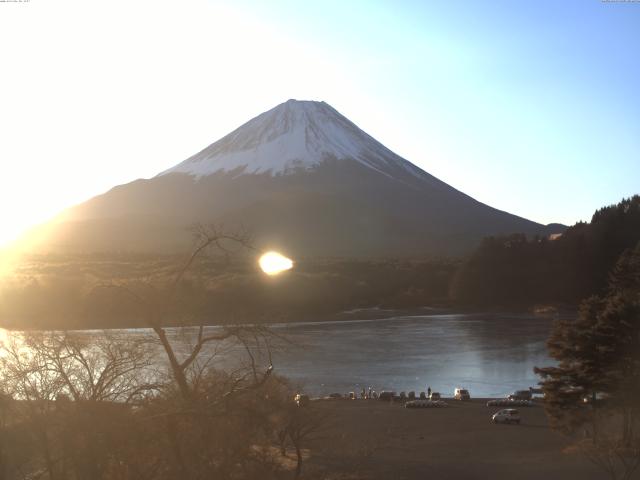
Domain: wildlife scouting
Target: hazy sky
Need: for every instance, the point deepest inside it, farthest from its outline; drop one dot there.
(531, 107)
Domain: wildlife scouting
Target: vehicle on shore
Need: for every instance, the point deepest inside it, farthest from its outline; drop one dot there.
(536, 392)
(386, 395)
(508, 416)
(597, 398)
(461, 394)
(425, 404)
(505, 402)
(520, 395)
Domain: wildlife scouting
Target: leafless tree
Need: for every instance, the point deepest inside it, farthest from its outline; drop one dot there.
(200, 401)
(619, 460)
(304, 423)
(102, 406)
(160, 308)
(71, 393)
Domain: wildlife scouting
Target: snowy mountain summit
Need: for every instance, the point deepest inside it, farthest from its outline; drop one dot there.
(294, 135)
(304, 180)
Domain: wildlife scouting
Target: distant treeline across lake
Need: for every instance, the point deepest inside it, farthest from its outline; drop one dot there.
(511, 272)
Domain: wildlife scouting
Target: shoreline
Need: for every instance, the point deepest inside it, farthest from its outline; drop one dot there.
(360, 317)
(359, 314)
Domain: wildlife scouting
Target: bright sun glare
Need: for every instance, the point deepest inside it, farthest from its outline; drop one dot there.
(273, 263)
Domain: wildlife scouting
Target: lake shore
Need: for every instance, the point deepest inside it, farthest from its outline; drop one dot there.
(381, 313)
(372, 439)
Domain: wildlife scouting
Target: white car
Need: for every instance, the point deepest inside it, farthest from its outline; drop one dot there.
(508, 415)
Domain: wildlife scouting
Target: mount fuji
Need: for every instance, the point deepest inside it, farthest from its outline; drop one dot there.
(294, 135)
(302, 179)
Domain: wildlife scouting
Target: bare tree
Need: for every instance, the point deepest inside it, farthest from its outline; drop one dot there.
(303, 424)
(160, 308)
(138, 406)
(71, 393)
(197, 405)
(619, 459)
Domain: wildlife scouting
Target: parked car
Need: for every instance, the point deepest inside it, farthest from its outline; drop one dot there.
(301, 400)
(508, 415)
(411, 395)
(597, 398)
(461, 394)
(435, 396)
(505, 402)
(520, 395)
(537, 391)
(403, 396)
(425, 404)
(386, 395)
(423, 396)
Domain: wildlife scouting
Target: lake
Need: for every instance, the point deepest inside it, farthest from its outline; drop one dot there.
(490, 355)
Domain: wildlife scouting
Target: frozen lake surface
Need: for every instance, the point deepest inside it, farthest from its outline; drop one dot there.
(489, 354)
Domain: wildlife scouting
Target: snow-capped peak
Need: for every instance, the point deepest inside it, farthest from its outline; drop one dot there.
(295, 134)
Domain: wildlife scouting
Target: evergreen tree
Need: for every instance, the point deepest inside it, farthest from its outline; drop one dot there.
(518, 271)
(595, 387)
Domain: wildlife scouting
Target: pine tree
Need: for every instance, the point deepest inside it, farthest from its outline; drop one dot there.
(595, 387)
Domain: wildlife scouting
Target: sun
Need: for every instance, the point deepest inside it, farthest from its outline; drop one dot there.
(9, 235)
(273, 263)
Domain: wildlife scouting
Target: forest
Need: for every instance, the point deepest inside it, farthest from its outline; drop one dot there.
(508, 272)
(516, 271)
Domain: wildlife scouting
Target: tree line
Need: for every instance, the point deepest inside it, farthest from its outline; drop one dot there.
(511, 271)
(59, 291)
(592, 394)
(518, 271)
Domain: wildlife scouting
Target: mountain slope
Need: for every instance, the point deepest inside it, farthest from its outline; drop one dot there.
(303, 179)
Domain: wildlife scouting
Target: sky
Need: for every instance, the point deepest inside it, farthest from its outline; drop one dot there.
(530, 107)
